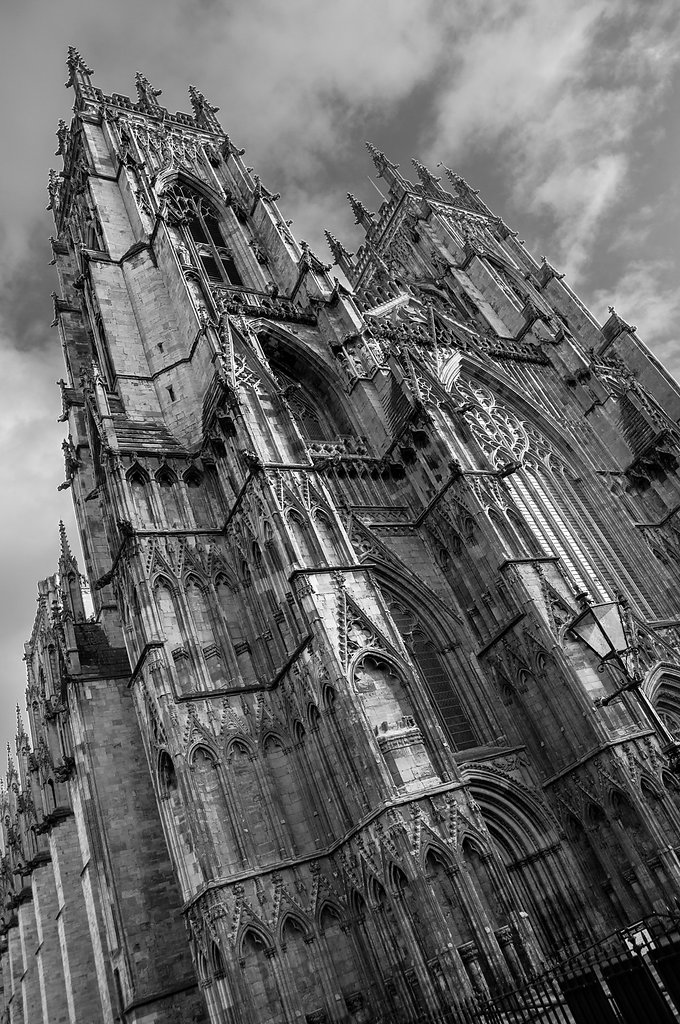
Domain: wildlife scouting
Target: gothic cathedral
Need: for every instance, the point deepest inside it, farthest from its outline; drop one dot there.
(375, 715)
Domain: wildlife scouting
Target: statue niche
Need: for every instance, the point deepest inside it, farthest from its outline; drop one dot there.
(390, 713)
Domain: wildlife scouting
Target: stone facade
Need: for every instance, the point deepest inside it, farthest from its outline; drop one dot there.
(328, 749)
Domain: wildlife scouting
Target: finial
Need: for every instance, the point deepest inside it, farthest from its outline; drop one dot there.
(204, 112)
(616, 324)
(78, 71)
(458, 181)
(428, 180)
(66, 553)
(310, 260)
(70, 579)
(386, 168)
(341, 256)
(146, 93)
(361, 214)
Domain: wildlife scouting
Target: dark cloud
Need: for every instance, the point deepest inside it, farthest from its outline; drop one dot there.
(25, 304)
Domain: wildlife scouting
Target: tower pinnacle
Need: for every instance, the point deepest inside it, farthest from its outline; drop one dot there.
(343, 258)
(429, 181)
(148, 96)
(386, 168)
(63, 542)
(78, 71)
(361, 214)
(204, 112)
(69, 577)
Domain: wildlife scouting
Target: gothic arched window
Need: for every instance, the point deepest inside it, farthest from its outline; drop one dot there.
(535, 485)
(434, 672)
(205, 236)
(312, 419)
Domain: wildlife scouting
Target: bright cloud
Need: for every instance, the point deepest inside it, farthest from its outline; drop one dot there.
(557, 93)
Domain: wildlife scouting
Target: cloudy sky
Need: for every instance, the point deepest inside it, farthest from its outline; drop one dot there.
(565, 115)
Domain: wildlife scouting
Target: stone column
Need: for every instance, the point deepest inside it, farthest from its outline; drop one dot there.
(15, 961)
(30, 981)
(469, 954)
(50, 964)
(78, 956)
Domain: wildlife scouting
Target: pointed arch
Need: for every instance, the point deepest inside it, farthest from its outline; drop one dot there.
(200, 215)
(662, 686)
(235, 625)
(329, 909)
(249, 791)
(393, 717)
(168, 489)
(560, 495)
(165, 596)
(181, 176)
(239, 741)
(433, 848)
(321, 389)
(196, 595)
(202, 754)
(255, 929)
(329, 537)
(216, 960)
(260, 991)
(517, 820)
(139, 483)
(178, 830)
(199, 499)
(427, 629)
(293, 917)
(288, 792)
(301, 528)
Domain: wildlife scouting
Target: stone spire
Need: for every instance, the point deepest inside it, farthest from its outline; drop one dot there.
(21, 731)
(148, 96)
(361, 214)
(429, 181)
(386, 169)
(11, 767)
(204, 112)
(69, 579)
(78, 71)
(23, 749)
(344, 259)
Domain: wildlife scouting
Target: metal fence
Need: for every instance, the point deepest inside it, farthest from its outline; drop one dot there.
(631, 977)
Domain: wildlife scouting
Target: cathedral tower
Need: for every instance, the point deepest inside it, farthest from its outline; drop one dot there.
(341, 542)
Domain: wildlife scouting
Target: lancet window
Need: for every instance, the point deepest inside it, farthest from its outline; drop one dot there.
(535, 485)
(313, 422)
(561, 508)
(204, 236)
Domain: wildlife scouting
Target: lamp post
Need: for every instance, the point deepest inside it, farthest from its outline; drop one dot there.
(608, 630)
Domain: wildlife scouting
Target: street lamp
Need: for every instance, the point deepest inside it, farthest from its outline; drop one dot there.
(608, 630)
